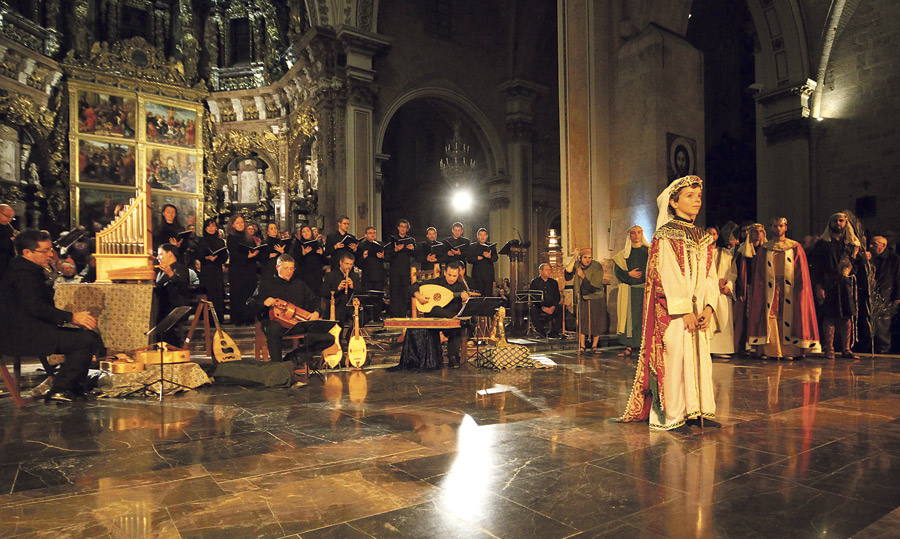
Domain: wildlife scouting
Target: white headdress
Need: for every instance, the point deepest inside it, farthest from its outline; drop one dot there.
(662, 201)
(623, 255)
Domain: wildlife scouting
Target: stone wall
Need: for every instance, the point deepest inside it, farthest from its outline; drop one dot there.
(857, 153)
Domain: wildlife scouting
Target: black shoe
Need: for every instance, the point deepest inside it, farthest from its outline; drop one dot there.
(707, 423)
(683, 430)
(453, 363)
(61, 395)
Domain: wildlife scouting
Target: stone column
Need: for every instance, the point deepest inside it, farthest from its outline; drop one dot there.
(784, 187)
(584, 107)
(520, 96)
(359, 179)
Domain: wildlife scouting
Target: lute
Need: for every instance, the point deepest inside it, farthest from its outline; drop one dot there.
(356, 350)
(438, 296)
(224, 347)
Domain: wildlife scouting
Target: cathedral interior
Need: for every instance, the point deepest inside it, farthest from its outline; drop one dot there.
(519, 116)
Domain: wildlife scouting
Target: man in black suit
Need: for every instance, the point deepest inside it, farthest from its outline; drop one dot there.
(450, 279)
(336, 245)
(401, 251)
(549, 308)
(344, 283)
(30, 322)
(456, 247)
(370, 260)
(285, 287)
(172, 283)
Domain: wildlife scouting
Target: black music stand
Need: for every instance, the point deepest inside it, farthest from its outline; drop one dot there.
(531, 298)
(311, 326)
(369, 298)
(476, 306)
(165, 325)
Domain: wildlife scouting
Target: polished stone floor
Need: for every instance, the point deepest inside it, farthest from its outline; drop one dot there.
(808, 449)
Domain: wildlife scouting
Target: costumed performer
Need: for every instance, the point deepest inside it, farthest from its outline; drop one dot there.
(782, 317)
(673, 384)
(593, 319)
(721, 343)
(630, 268)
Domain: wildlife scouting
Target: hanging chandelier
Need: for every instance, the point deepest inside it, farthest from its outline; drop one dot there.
(457, 168)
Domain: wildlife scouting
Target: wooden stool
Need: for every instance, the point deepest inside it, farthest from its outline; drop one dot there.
(261, 350)
(12, 383)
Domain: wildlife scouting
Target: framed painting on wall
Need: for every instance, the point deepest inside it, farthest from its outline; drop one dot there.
(681, 156)
(99, 205)
(187, 207)
(168, 124)
(105, 114)
(105, 162)
(171, 170)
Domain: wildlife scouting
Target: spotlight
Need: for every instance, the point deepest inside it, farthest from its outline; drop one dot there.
(462, 200)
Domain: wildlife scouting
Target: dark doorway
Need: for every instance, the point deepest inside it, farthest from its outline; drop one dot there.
(414, 188)
(723, 30)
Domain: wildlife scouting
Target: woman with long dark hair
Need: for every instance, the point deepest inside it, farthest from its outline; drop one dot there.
(168, 229)
(309, 260)
(211, 256)
(242, 269)
(274, 248)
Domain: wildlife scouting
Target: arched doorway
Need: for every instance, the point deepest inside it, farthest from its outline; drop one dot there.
(413, 136)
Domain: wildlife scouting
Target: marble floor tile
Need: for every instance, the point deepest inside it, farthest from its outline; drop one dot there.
(809, 448)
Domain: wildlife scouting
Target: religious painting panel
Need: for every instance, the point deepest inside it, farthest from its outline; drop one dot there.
(105, 114)
(171, 170)
(106, 163)
(168, 124)
(681, 156)
(187, 207)
(100, 205)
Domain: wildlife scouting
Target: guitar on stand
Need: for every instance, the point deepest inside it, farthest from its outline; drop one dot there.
(288, 315)
(224, 347)
(356, 350)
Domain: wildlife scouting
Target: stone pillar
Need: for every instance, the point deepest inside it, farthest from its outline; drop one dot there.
(359, 179)
(584, 116)
(628, 82)
(784, 187)
(520, 95)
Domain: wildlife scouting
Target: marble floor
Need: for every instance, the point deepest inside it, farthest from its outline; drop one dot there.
(808, 449)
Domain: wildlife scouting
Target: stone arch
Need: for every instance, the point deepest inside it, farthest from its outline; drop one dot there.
(783, 56)
(479, 123)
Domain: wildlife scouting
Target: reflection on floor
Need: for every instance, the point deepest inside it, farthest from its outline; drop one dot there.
(808, 449)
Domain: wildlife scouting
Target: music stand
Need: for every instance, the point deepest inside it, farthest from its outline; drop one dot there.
(530, 297)
(368, 299)
(479, 307)
(311, 326)
(165, 325)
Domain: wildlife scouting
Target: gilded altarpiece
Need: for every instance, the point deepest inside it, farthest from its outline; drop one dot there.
(121, 141)
(133, 122)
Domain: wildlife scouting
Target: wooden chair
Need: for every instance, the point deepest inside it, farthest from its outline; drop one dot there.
(13, 382)
(261, 350)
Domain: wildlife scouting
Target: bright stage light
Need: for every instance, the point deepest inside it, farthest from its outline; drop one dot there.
(462, 200)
